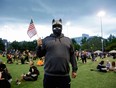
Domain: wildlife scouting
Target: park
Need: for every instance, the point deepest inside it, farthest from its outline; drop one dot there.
(85, 77)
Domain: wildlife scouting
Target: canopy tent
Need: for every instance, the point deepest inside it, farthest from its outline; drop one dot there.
(98, 51)
(112, 51)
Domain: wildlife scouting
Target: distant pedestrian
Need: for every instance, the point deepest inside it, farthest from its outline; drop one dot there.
(84, 56)
(77, 54)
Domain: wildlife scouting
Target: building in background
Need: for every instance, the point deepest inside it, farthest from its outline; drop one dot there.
(85, 35)
(78, 39)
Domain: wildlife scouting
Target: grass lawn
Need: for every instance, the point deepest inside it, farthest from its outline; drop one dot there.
(84, 79)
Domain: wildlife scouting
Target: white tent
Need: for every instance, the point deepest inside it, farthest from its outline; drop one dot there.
(98, 51)
(112, 51)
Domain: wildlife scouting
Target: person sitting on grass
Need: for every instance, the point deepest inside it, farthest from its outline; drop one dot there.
(108, 65)
(32, 75)
(113, 66)
(101, 67)
(9, 58)
(5, 77)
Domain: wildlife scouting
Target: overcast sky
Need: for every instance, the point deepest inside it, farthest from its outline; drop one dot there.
(15, 16)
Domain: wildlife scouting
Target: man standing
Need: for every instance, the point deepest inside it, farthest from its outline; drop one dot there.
(58, 52)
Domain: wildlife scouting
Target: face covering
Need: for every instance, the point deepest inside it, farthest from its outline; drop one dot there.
(57, 31)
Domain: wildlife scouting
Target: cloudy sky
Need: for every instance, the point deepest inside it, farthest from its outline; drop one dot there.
(80, 15)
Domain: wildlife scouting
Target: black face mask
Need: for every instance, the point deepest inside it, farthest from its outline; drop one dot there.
(57, 31)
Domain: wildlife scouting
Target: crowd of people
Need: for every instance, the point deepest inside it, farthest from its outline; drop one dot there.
(19, 57)
(85, 55)
(32, 75)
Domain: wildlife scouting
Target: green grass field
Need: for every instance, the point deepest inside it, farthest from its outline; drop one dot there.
(84, 79)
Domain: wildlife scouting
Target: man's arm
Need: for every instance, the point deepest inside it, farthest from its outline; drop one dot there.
(39, 51)
(73, 62)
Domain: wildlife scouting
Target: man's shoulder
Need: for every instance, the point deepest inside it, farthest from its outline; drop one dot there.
(67, 37)
(52, 36)
(47, 37)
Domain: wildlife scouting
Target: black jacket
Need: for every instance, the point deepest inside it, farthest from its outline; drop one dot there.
(58, 52)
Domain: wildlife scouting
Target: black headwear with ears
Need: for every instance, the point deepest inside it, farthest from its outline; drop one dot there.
(57, 27)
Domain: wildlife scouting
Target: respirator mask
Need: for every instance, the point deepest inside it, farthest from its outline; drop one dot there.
(57, 27)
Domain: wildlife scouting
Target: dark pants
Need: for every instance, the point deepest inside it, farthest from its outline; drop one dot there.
(5, 84)
(84, 60)
(56, 81)
(29, 78)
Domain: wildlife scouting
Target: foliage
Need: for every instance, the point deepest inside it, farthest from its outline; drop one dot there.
(15, 45)
(75, 45)
(95, 43)
(24, 45)
(111, 43)
(90, 44)
(2, 46)
(112, 46)
(84, 40)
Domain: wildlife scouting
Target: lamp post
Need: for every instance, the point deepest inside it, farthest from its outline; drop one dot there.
(5, 47)
(101, 14)
(68, 24)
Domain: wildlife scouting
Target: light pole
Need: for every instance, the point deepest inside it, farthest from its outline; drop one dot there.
(5, 47)
(68, 24)
(101, 14)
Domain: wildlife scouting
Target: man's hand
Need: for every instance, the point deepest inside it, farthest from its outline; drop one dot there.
(39, 42)
(74, 74)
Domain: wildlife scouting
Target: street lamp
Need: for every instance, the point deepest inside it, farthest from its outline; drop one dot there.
(101, 14)
(5, 47)
(68, 24)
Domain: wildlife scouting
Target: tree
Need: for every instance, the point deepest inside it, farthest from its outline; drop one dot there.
(91, 44)
(111, 43)
(84, 40)
(24, 45)
(2, 46)
(75, 45)
(14, 45)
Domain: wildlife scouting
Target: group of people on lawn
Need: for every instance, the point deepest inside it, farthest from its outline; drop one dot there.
(20, 57)
(109, 66)
(6, 78)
